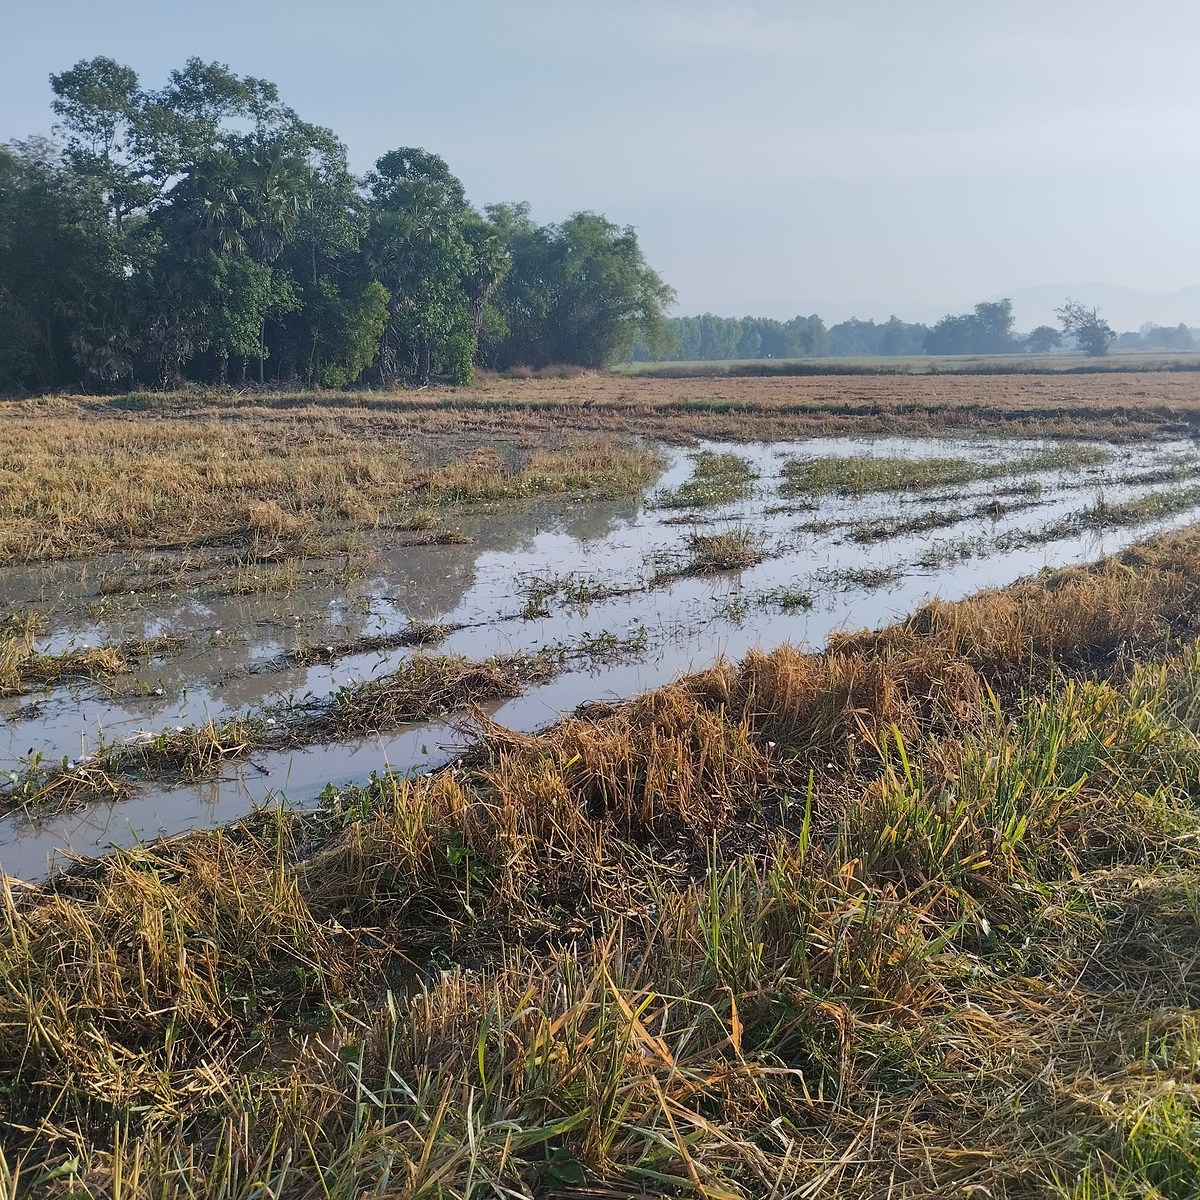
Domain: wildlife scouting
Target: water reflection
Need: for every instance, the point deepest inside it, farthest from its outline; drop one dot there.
(604, 554)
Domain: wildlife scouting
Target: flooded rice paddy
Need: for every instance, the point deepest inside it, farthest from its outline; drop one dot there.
(616, 596)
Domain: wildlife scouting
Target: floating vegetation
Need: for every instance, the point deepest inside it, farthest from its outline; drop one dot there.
(884, 529)
(441, 537)
(717, 479)
(23, 669)
(783, 598)
(417, 633)
(576, 591)
(867, 578)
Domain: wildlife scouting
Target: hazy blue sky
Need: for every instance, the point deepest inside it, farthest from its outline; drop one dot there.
(774, 156)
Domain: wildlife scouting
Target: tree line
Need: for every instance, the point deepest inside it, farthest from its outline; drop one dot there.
(987, 329)
(203, 231)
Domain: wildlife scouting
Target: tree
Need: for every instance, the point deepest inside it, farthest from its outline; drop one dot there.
(1164, 337)
(64, 294)
(418, 250)
(952, 335)
(994, 323)
(987, 330)
(1092, 334)
(99, 104)
(1042, 340)
(580, 292)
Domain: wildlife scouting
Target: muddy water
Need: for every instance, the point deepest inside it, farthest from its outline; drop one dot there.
(233, 656)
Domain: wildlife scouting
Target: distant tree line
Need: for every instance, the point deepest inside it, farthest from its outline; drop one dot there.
(1158, 337)
(709, 338)
(987, 329)
(205, 232)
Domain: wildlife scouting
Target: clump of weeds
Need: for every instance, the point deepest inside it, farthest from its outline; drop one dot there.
(272, 580)
(716, 479)
(23, 669)
(712, 553)
(416, 633)
(783, 598)
(576, 591)
(428, 686)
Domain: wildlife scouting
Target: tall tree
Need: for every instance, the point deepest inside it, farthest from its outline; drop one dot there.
(987, 330)
(64, 293)
(418, 250)
(1093, 335)
(100, 105)
(580, 292)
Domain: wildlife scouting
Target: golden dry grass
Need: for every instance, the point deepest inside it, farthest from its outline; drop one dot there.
(878, 921)
(23, 669)
(80, 474)
(79, 478)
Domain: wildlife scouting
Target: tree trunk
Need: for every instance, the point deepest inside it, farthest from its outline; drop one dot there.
(423, 361)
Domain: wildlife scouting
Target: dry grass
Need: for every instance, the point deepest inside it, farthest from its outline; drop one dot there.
(79, 475)
(430, 686)
(915, 916)
(79, 478)
(23, 669)
(416, 633)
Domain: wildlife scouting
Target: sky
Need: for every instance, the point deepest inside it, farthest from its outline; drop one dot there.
(776, 157)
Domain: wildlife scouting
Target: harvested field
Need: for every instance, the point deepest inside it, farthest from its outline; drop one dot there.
(655, 876)
(288, 674)
(158, 469)
(915, 915)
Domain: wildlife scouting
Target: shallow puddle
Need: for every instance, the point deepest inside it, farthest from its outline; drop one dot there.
(560, 572)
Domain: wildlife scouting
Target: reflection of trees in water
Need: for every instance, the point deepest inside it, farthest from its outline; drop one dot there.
(429, 581)
(586, 521)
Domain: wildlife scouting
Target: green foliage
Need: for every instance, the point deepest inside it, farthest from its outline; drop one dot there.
(243, 294)
(417, 248)
(62, 287)
(1093, 335)
(354, 339)
(580, 292)
(1042, 340)
(195, 229)
(987, 330)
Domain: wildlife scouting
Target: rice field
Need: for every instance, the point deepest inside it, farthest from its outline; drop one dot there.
(695, 816)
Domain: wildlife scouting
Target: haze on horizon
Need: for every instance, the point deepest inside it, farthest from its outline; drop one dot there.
(775, 157)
